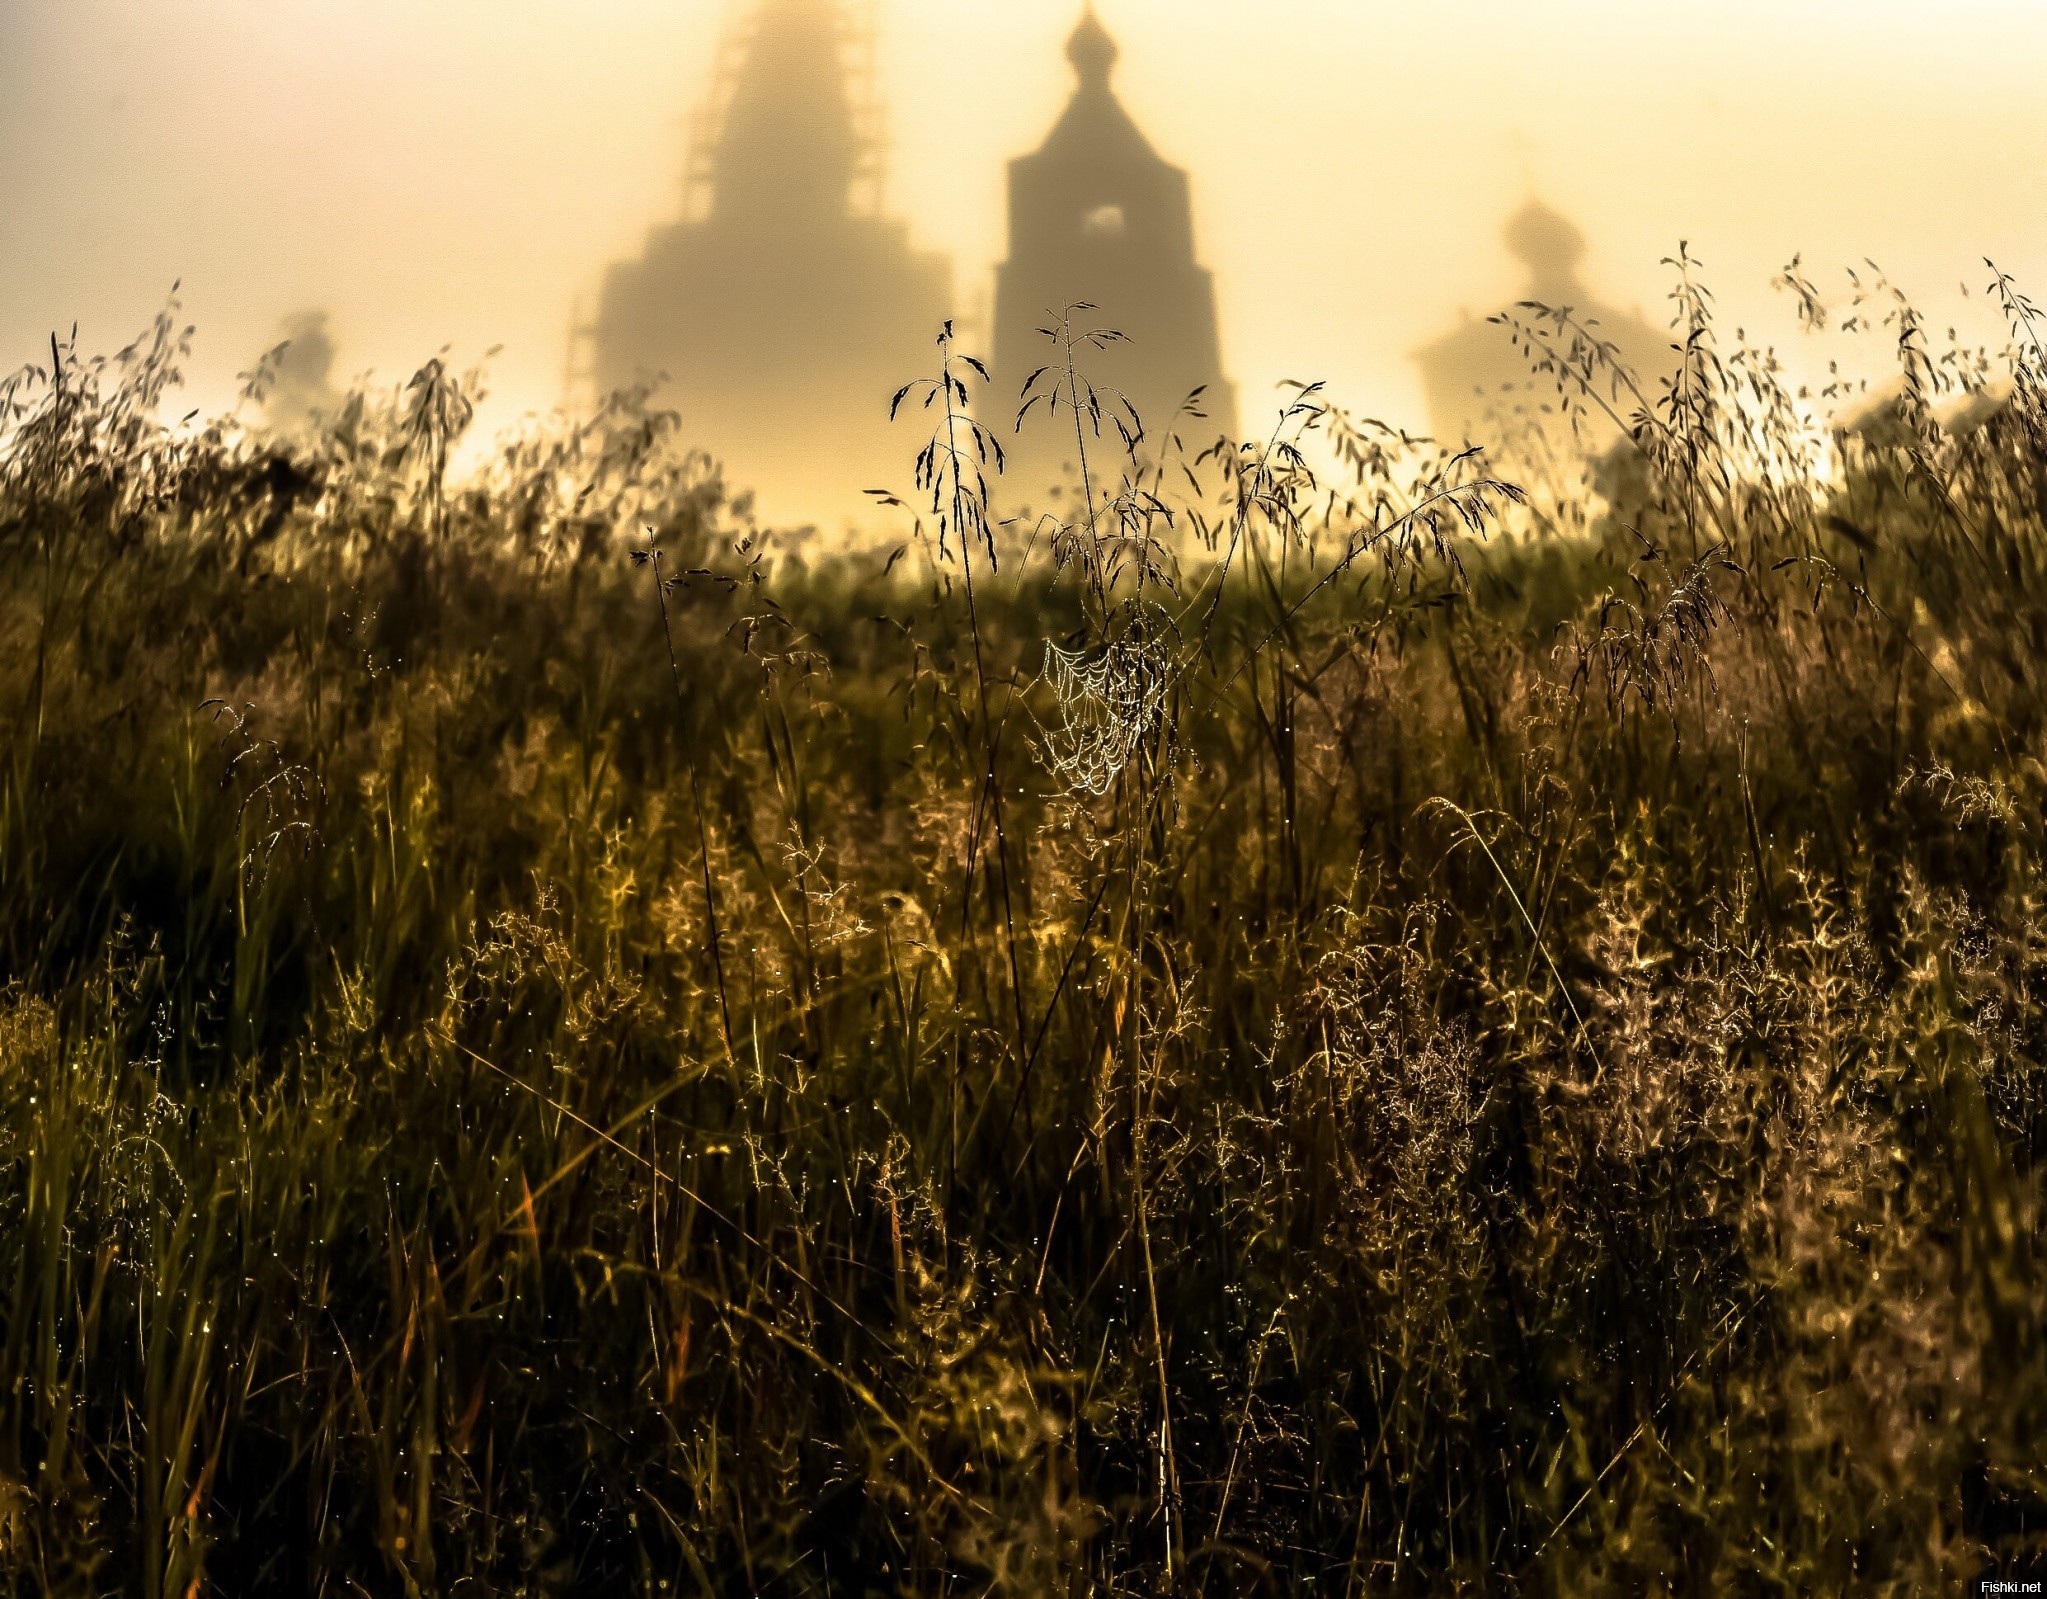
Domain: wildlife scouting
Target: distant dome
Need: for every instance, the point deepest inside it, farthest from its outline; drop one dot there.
(1486, 384)
(1546, 241)
(1092, 52)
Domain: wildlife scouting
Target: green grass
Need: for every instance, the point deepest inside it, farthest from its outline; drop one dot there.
(1524, 1079)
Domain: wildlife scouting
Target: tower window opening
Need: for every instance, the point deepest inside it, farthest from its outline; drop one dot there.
(1104, 222)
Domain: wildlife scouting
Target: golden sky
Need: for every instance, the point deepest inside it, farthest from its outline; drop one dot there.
(457, 172)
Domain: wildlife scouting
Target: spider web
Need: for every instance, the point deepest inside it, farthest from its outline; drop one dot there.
(1109, 698)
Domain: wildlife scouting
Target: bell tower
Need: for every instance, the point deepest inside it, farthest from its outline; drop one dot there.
(783, 309)
(1096, 215)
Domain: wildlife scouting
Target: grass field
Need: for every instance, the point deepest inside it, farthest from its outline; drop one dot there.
(1335, 1032)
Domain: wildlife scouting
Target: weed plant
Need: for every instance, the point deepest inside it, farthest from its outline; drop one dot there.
(1303, 1027)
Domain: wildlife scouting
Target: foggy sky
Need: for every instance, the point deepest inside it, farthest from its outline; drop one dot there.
(458, 172)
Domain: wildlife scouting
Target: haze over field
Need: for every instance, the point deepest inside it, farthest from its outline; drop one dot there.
(461, 172)
(586, 1010)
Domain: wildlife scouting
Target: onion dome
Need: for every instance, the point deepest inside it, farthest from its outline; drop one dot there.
(1092, 51)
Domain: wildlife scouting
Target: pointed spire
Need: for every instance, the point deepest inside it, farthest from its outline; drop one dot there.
(1092, 51)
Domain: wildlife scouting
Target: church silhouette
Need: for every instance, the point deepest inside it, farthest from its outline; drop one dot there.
(781, 319)
(1097, 216)
(1482, 390)
(784, 308)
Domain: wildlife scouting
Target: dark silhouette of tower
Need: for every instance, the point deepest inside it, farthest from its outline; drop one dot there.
(1096, 215)
(1481, 389)
(786, 313)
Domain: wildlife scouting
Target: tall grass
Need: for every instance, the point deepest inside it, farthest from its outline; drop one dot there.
(1301, 1026)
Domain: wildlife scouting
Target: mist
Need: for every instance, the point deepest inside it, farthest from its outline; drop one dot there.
(461, 174)
(1420, 974)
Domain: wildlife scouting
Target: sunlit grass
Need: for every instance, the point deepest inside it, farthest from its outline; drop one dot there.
(1300, 1027)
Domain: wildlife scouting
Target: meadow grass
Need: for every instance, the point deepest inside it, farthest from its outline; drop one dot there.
(1315, 1023)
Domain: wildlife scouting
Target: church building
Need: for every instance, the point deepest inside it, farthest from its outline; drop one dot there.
(1482, 390)
(784, 309)
(1096, 215)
